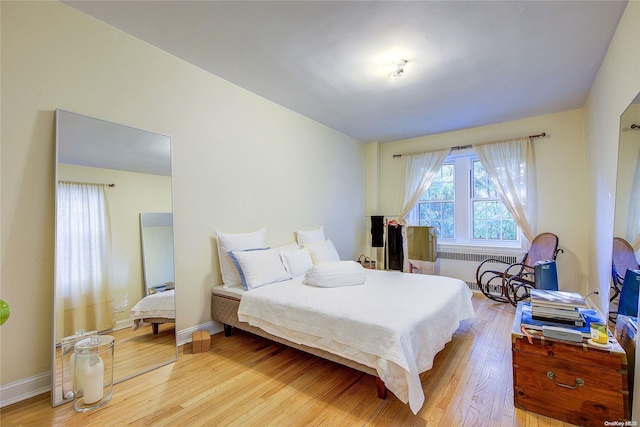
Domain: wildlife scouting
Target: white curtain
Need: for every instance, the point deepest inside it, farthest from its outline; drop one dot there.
(419, 171)
(83, 259)
(633, 222)
(509, 165)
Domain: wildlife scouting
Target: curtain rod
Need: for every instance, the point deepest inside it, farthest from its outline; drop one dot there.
(86, 183)
(635, 126)
(463, 147)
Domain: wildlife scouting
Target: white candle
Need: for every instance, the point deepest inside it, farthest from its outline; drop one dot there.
(77, 380)
(93, 379)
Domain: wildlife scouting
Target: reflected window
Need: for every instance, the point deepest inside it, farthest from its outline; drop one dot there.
(83, 263)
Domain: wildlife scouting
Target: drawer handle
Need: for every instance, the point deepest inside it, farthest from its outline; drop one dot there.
(579, 381)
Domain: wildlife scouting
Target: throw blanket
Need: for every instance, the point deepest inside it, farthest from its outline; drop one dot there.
(395, 323)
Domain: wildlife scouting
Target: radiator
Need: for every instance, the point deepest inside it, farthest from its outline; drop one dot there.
(463, 266)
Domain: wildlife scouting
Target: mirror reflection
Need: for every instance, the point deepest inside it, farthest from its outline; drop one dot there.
(157, 307)
(627, 213)
(114, 267)
(626, 242)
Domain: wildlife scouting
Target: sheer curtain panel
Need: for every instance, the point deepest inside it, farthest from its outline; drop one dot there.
(509, 165)
(83, 259)
(419, 171)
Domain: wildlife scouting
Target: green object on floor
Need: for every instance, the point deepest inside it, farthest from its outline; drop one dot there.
(5, 310)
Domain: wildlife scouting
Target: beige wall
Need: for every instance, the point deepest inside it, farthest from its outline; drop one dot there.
(240, 162)
(615, 86)
(133, 194)
(560, 166)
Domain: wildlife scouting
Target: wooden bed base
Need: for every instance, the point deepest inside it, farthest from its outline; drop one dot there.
(224, 309)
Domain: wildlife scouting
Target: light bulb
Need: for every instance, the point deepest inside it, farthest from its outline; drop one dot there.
(398, 68)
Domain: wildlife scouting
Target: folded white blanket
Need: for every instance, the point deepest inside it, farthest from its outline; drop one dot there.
(335, 274)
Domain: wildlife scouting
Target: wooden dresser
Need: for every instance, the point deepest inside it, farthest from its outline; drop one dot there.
(573, 382)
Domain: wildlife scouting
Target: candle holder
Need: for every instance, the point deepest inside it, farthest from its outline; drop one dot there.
(68, 359)
(93, 372)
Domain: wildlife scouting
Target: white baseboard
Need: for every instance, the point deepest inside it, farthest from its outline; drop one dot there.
(23, 389)
(28, 387)
(184, 336)
(123, 324)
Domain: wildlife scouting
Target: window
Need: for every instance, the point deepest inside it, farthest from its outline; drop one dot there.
(491, 220)
(464, 207)
(436, 207)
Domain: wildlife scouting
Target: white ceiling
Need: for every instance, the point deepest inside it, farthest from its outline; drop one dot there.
(469, 63)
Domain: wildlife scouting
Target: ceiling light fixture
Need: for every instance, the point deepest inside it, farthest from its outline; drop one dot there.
(398, 68)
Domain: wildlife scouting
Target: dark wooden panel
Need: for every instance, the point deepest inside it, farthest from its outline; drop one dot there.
(602, 394)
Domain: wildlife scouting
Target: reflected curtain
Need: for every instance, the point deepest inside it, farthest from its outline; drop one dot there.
(509, 165)
(419, 171)
(83, 259)
(633, 222)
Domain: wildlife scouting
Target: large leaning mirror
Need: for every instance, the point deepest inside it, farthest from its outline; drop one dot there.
(627, 208)
(114, 267)
(627, 213)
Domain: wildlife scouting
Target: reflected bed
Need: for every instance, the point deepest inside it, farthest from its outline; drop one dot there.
(154, 309)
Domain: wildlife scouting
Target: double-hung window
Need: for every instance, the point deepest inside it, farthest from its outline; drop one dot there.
(464, 207)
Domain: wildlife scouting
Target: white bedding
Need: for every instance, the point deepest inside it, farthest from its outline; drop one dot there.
(156, 305)
(395, 323)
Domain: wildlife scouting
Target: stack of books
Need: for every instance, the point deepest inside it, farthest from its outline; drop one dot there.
(557, 307)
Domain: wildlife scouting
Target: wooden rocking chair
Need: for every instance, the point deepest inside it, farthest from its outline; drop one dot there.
(623, 259)
(512, 283)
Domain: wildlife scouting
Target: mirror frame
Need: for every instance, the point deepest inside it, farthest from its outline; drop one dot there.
(57, 374)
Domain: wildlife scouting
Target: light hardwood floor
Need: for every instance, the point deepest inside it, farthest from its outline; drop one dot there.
(249, 381)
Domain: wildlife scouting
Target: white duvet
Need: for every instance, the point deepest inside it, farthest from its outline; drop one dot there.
(395, 323)
(160, 304)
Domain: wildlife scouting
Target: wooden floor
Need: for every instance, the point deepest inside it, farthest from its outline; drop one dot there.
(249, 381)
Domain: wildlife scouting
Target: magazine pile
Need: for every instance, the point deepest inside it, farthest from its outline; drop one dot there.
(558, 308)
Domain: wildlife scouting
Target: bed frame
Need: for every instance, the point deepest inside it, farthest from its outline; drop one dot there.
(156, 321)
(224, 309)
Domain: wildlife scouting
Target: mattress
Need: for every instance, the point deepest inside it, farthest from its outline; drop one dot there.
(394, 324)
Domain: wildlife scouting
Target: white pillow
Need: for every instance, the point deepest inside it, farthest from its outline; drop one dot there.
(335, 274)
(322, 252)
(259, 267)
(296, 262)
(310, 236)
(232, 242)
(286, 248)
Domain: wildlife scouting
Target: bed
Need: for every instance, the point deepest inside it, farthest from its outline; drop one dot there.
(154, 309)
(391, 327)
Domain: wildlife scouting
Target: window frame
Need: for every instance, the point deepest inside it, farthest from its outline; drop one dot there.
(463, 212)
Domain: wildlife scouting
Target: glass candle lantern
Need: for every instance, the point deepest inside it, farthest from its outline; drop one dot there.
(68, 359)
(93, 372)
